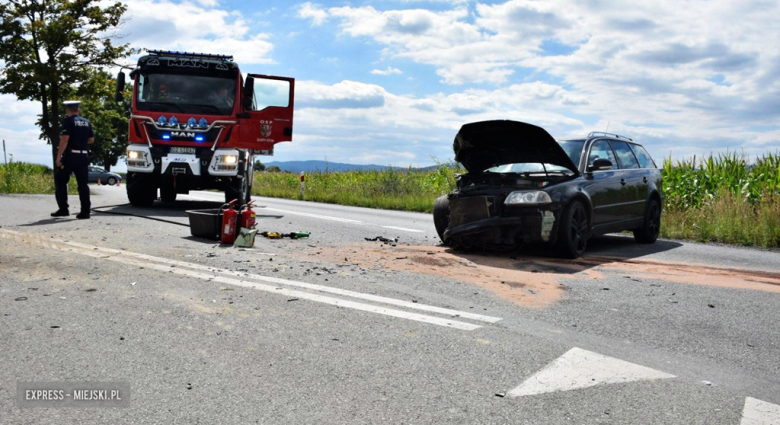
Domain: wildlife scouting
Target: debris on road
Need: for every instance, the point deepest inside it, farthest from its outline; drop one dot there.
(382, 239)
(21, 299)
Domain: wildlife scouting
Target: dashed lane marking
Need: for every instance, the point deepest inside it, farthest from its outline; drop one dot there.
(404, 229)
(578, 368)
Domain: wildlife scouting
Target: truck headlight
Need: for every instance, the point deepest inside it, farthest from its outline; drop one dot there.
(527, 198)
(134, 154)
(229, 159)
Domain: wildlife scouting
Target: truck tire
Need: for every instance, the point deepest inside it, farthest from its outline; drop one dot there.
(167, 191)
(238, 189)
(441, 216)
(140, 190)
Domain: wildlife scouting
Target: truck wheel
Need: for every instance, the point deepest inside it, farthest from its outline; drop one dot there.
(648, 233)
(573, 231)
(239, 190)
(140, 191)
(167, 192)
(441, 216)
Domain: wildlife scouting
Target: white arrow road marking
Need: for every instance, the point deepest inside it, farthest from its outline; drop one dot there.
(757, 412)
(578, 368)
(189, 269)
(404, 229)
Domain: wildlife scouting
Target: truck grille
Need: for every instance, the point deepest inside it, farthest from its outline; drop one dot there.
(474, 208)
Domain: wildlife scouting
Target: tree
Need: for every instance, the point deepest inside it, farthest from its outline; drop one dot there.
(258, 166)
(51, 47)
(273, 169)
(108, 117)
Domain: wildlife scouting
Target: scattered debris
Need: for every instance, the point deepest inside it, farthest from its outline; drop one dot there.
(605, 289)
(121, 338)
(502, 395)
(21, 299)
(189, 386)
(711, 305)
(382, 239)
(292, 299)
(90, 290)
(707, 383)
(55, 327)
(63, 298)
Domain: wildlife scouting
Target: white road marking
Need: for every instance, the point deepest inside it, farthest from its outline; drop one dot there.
(578, 368)
(404, 229)
(323, 217)
(312, 286)
(143, 261)
(757, 412)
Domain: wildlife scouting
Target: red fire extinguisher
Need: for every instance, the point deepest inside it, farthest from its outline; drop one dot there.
(229, 219)
(248, 217)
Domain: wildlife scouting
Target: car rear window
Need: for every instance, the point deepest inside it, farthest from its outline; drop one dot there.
(644, 158)
(624, 154)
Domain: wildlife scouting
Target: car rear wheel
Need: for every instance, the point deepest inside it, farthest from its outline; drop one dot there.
(573, 231)
(111, 181)
(649, 231)
(441, 216)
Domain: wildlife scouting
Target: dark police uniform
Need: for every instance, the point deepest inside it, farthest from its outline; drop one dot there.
(75, 160)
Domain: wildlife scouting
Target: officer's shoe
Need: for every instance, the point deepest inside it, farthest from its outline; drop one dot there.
(60, 213)
(82, 215)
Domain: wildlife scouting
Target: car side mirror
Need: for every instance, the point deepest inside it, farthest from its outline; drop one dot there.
(600, 164)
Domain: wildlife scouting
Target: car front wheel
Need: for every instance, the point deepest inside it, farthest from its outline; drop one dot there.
(111, 181)
(650, 229)
(441, 215)
(573, 231)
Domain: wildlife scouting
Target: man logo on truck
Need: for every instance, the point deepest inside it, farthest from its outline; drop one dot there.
(182, 134)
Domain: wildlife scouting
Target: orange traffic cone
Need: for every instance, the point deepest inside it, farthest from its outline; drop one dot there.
(118, 183)
(99, 184)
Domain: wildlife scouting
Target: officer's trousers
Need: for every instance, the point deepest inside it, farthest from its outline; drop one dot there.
(78, 165)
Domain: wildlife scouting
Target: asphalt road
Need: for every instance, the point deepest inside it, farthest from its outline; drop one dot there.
(338, 329)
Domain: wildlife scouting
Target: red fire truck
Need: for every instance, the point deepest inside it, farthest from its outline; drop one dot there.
(197, 122)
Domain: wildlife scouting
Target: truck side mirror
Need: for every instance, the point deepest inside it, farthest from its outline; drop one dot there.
(249, 93)
(120, 87)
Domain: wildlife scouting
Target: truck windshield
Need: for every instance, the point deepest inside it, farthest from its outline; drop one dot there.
(193, 94)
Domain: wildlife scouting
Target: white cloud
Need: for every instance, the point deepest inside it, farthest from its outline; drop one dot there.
(313, 12)
(389, 71)
(168, 25)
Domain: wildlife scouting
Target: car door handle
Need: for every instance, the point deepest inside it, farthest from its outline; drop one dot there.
(644, 179)
(623, 182)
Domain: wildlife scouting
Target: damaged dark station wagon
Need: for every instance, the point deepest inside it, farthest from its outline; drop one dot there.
(523, 186)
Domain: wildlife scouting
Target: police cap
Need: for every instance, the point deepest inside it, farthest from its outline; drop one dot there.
(72, 103)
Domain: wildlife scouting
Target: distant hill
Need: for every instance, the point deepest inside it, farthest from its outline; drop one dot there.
(309, 166)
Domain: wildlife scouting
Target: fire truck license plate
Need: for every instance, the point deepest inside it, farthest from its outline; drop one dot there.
(179, 149)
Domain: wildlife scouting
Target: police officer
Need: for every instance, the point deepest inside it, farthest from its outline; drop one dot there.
(73, 158)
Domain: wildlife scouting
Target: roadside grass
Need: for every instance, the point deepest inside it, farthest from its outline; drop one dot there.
(21, 177)
(408, 190)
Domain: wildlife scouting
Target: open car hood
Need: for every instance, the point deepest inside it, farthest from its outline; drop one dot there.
(481, 145)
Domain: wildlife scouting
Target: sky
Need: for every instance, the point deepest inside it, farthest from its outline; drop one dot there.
(391, 82)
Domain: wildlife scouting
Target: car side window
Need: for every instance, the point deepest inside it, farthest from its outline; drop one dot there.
(644, 158)
(601, 149)
(625, 156)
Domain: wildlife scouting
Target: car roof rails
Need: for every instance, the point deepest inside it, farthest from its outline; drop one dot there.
(601, 133)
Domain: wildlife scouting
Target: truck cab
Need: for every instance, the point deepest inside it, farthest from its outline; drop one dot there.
(196, 123)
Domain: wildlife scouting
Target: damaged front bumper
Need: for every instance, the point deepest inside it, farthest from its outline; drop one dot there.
(481, 221)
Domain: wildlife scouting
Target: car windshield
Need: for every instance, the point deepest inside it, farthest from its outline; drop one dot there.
(195, 94)
(573, 149)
